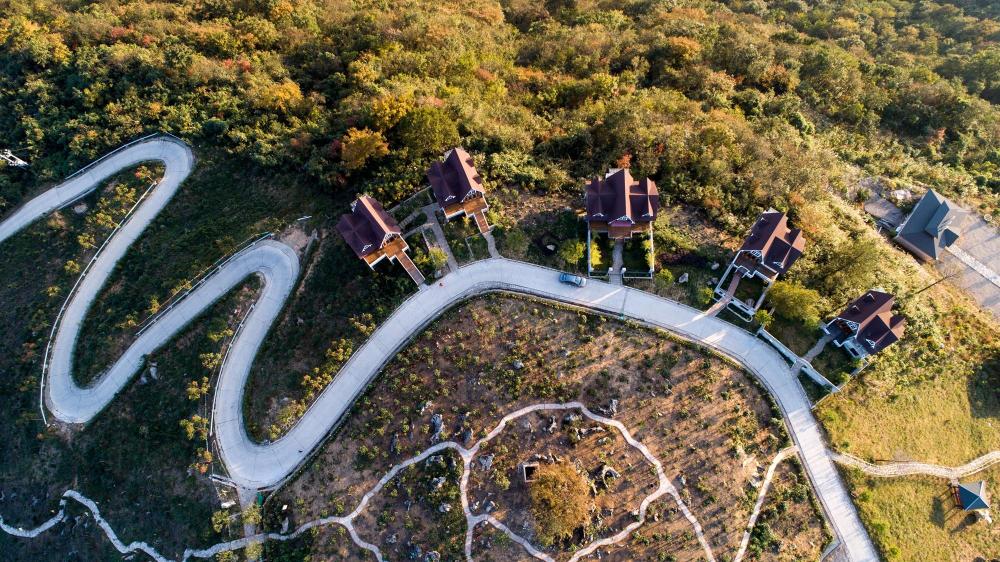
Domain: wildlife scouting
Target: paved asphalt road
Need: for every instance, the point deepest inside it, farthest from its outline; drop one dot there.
(257, 466)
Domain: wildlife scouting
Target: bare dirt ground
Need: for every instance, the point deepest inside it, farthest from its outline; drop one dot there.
(710, 425)
(503, 492)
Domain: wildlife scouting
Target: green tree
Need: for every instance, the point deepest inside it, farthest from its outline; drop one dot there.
(560, 502)
(571, 252)
(792, 301)
(763, 318)
(358, 146)
(664, 279)
(515, 242)
(438, 258)
(427, 130)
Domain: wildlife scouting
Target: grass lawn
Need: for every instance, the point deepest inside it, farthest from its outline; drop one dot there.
(419, 254)
(794, 335)
(456, 231)
(749, 288)
(604, 247)
(835, 364)
(635, 256)
(480, 250)
(915, 518)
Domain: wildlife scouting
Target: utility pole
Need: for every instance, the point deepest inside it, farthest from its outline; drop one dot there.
(7, 156)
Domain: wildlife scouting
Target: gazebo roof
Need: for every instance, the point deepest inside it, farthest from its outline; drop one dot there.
(973, 495)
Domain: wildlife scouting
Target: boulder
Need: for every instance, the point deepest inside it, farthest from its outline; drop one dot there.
(683, 278)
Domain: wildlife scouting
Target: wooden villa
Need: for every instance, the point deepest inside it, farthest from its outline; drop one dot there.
(374, 236)
(620, 206)
(458, 188)
(867, 325)
(769, 250)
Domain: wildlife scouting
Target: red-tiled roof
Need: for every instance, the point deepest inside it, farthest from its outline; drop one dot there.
(778, 245)
(621, 201)
(877, 326)
(455, 179)
(367, 227)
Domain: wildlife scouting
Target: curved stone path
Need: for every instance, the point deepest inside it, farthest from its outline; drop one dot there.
(254, 465)
(761, 496)
(468, 456)
(911, 468)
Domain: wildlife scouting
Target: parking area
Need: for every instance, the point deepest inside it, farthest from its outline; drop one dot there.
(977, 261)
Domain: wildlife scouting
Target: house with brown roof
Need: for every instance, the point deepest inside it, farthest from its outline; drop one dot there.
(458, 187)
(867, 325)
(374, 236)
(620, 206)
(770, 248)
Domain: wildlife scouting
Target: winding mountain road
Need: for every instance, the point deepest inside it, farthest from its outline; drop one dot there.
(254, 465)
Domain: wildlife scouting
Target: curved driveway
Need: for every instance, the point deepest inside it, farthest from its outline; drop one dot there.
(258, 466)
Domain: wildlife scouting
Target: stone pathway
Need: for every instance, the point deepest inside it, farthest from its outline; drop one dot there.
(910, 468)
(472, 520)
(491, 245)
(761, 496)
(617, 260)
(818, 348)
(442, 242)
(716, 308)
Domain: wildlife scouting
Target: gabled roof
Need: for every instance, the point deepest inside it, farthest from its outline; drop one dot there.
(876, 326)
(619, 200)
(973, 495)
(934, 224)
(455, 179)
(773, 243)
(367, 227)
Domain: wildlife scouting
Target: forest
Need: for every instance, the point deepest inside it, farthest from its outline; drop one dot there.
(733, 106)
(296, 106)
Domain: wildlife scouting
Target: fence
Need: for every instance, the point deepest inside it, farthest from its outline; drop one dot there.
(72, 293)
(197, 280)
(807, 368)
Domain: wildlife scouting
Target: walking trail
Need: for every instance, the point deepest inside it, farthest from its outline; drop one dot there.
(472, 520)
(910, 468)
(761, 496)
(262, 466)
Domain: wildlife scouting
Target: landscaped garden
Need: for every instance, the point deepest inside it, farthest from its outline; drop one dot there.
(710, 425)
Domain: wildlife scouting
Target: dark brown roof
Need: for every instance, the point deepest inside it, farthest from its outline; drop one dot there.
(621, 201)
(773, 243)
(877, 326)
(367, 227)
(455, 179)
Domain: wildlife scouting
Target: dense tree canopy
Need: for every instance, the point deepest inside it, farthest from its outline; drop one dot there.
(730, 104)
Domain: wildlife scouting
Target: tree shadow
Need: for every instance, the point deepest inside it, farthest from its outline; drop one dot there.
(984, 389)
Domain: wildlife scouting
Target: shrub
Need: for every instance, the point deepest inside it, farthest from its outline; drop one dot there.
(560, 502)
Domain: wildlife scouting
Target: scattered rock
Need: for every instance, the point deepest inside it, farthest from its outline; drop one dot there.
(490, 506)
(80, 208)
(518, 364)
(466, 435)
(392, 539)
(486, 462)
(571, 418)
(608, 473)
(595, 429)
(550, 247)
(437, 424)
(612, 409)
(715, 265)
(437, 483)
(424, 406)
(432, 556)
(683, 278)
(284, 526)
(444, 508)
(435, 460)
(552, 425)
(413, 552)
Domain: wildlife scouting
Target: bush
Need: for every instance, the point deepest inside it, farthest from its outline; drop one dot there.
(571, 252)
(664, 279)
(794, 302)
(560, 502)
